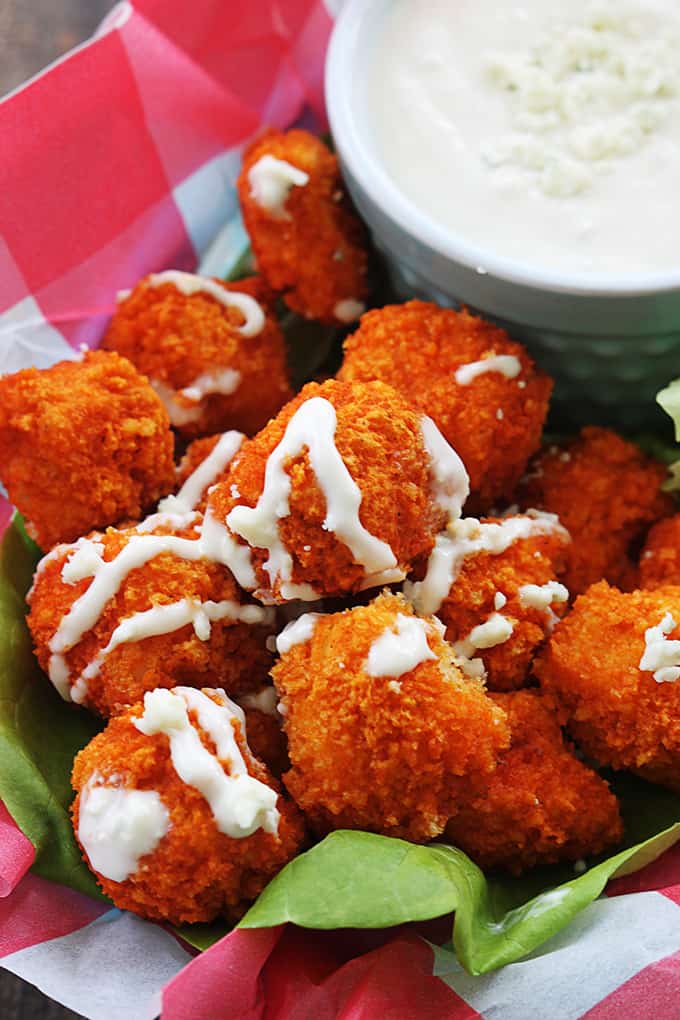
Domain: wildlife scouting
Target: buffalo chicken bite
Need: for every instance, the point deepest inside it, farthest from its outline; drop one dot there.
(606, 493)
(122, 612)
(83, 445)
(213, 351)
(542, 805)
(613, 665)
(175, 816)
(341, 492)
(384, 731)
(308, 242)
(493, 584)
(480, 388)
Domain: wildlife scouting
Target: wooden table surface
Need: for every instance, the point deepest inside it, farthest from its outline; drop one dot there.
(32, 34)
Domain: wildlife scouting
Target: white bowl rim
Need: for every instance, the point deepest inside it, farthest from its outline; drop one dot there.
(385, 194)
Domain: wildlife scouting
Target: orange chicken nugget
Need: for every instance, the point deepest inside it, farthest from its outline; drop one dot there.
(83, 444)
(309, 243)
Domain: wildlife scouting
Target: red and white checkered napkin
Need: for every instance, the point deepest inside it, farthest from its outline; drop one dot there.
(119, 161)
(619, 959)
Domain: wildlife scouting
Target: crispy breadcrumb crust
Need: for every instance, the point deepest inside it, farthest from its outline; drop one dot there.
(196, 872)
(234, 656)
(542, 805)
(617, 713)
(494, 423)
(397, 756)
(83, 444)
(535, 560)
(380, 440)
(316, 256)
(660, 558)
(606, 493)
(174, 338)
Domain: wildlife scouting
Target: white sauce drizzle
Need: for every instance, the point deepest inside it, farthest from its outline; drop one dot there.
(297, 632)
(271, 181)
(450, 480)
(392, 576)
(222, 380)
(107, 579)
(190, 284)
(494, 631)
(505, 364)
(221, 547)
(311, 428)
(117, 826)
(176, 521)
(240, 804)
(178, 413)
(468, 537)
(169, 618)
(205, 474)
(661, 656)
(400, 648)
(542, 596)
(349, 310)
(83, 562)
(263, 701)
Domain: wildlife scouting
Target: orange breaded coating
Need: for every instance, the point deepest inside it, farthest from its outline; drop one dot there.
(502, 604)
(492, 421)
(369, 447)
(542, 805)
(606, 493)
(660, 558)
(83, 444)
(215, 367)
(397, 754)
(605, 665)
(199, 628)
(192, 863)
(309, 243)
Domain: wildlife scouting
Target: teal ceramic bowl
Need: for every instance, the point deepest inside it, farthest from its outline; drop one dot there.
(610, 343)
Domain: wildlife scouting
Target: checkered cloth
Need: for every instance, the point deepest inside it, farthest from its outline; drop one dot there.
(118, 161)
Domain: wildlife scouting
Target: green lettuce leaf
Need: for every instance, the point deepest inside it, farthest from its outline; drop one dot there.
(351, 879)
(39, 733)
(669, 400)
(358, 880)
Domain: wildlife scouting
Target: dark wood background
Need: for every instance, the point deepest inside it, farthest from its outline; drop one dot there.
(32, 34)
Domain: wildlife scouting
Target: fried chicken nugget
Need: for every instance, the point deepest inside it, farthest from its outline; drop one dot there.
(500, 596)
(613, 666)
(83, 444)
(341, 492)
(120, 613)
(542, 805)
(384, 731)
(176, 818)
(660, 558)
(481, 389)
(213, 351)
(309, 243)
(606, 493)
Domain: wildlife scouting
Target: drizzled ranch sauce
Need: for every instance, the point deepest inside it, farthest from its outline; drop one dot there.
(542, 131)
